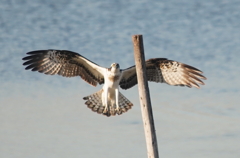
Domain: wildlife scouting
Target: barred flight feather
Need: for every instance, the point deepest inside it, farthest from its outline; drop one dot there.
(70, 64)
(94, 102)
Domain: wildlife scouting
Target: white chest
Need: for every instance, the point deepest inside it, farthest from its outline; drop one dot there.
(112, 79)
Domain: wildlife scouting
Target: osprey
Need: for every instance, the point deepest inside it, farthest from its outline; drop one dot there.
(109, 101)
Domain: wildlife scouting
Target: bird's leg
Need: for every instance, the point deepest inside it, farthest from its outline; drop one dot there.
(117, 101)
(105, 101)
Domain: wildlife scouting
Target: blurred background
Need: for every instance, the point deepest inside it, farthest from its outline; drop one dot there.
(45, 116)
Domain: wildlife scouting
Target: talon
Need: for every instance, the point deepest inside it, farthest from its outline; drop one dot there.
(118, 111)
(117, 108)
(105, 109)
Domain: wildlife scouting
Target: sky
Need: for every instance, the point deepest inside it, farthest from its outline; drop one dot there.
(45, 116)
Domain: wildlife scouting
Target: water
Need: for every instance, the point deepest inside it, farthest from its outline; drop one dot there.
(45, 116)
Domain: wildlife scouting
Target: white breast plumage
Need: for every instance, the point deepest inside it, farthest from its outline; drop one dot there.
(109, 101)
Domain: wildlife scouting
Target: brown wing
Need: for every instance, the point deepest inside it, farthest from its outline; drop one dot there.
(164, 71)
(65, 63)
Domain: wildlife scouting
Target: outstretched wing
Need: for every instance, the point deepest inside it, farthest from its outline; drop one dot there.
(65, 63)
(164, 71)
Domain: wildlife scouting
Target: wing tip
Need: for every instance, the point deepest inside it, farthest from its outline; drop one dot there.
(204, 78)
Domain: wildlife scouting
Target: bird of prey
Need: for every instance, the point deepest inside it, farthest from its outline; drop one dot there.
(109, 101)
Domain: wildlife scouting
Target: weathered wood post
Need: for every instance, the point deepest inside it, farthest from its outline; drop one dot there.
(144, 96)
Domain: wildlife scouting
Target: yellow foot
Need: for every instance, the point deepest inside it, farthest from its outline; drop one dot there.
(105, 109)
(118, 111)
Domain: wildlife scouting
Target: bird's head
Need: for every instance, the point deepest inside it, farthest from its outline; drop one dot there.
(115, 66)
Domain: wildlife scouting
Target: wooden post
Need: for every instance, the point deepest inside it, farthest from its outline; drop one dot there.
(144, 96)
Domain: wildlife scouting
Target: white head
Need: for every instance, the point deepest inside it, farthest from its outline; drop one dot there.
(114, 67)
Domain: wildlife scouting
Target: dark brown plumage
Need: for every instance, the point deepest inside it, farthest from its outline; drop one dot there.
(70, 64)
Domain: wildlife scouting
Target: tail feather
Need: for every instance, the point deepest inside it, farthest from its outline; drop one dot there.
(94, 102)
